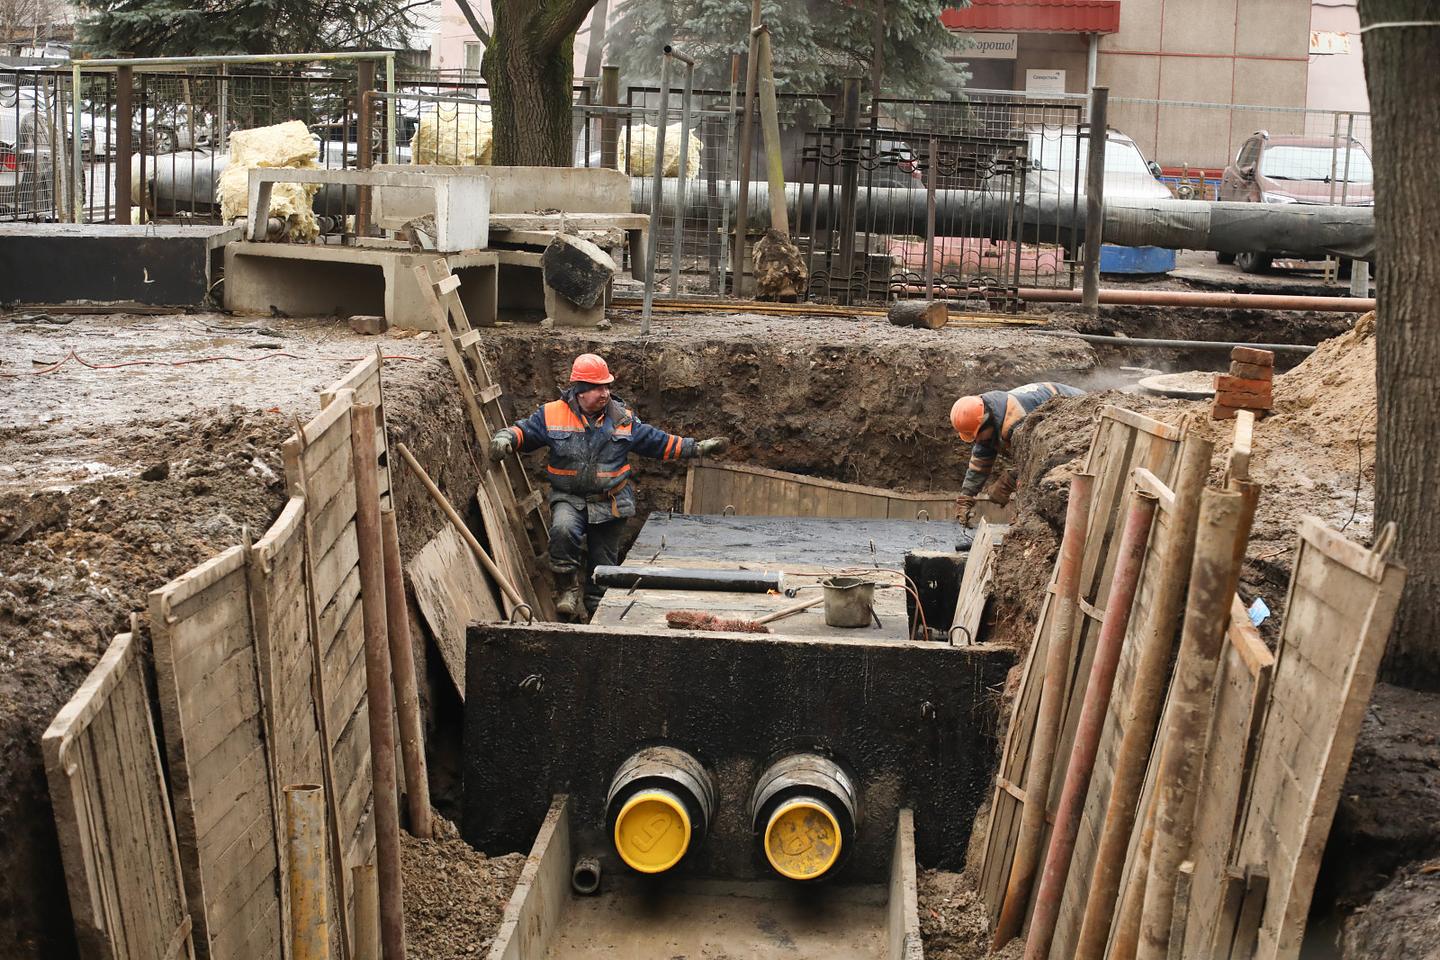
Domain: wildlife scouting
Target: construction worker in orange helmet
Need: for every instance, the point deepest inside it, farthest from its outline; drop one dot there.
(590, 434)
(987, 422)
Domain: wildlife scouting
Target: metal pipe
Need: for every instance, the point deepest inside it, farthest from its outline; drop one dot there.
(1127, 921)
(1203, 298)
(152, 62)
(1223, 530)
(367, 912)
(1096, 141)
(609, 130)
(380, 703)
(390, 108)
(306, 872)
(585, 876)
(1156, 643)
(931, 175)
(747, 133)
(660, 804)
(1130, 560)
(686, 97)
(652, 236)
(805, 795)
(1226, 345)
(687, 578)
(496, 574)
(1047, 723)
(407, 691)
(124, 141)
(77, 165)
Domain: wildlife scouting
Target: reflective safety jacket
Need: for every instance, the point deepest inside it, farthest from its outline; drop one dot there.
(589, 455)
(1003, 412)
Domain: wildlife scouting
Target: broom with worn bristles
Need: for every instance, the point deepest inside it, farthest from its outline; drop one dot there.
(698, 620)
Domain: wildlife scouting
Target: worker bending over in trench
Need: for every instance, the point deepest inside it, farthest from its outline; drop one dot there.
(591, 434)
(987, 422)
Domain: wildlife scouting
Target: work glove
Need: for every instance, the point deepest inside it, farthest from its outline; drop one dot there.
(963, 505)
(501, 446)
(714, 445)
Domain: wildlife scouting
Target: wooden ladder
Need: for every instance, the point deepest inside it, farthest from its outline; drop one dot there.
(506, 484)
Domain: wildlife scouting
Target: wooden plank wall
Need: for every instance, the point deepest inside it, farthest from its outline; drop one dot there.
(364, 380)
(1337, 617)
(112, 814)
(319, 466)
(210, 701)
(1122, 442)
(757, 492)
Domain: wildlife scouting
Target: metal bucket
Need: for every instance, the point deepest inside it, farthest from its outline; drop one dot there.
(848, 601)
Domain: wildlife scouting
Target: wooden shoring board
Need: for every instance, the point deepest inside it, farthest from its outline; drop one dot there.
(364, 379)
(1122, 441)
(451, 591)
(1338, 613)
(1242, 690)
(112, 816)
(714, 488)
(507, 485)
(976, 581)
(227, 824)
(319, 468)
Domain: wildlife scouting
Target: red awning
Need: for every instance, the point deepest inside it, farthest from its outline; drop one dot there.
(1036, 16)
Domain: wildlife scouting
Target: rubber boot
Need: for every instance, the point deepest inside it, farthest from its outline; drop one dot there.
(571, 603)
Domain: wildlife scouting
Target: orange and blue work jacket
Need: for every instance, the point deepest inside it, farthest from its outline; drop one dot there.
(1003, 412)
(589, 455)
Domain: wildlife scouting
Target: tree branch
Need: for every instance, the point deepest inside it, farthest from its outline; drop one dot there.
(476, 27)
(565, 21)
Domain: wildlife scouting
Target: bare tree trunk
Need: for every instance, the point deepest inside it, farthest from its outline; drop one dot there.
(530, 68)
(1405, 116)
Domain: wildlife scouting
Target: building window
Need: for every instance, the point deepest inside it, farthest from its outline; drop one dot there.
(472, 57)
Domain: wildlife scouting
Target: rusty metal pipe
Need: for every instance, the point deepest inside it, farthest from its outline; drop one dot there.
(380, 703)
(1130, 560)
(1224, 524)
(1157, 641)
(407, 693)
(1127, 923)
(306, 872)
(367, 912)
(1202, 298)
(1047, 723)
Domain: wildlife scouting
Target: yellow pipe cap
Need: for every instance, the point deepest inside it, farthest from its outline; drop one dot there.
(802, 840)
(652, 831)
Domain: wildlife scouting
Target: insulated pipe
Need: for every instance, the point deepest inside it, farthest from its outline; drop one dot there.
(684, 578)
(1200, 298)
(805, 811)
(1130, 560)
(1047, 723)
(660, 804)
(306, 872)
(407, 693)
(1227, 345)
(1156, 643)
(1225, 517)
(380, 703)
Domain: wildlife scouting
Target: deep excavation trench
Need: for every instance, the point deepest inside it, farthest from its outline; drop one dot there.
(855, 401)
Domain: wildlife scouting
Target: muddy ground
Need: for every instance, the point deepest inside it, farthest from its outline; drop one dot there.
(454, 894)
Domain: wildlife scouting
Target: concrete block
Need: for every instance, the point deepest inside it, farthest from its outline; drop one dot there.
(565, 313)
(577, 269)
(368, 325)
(528, 189)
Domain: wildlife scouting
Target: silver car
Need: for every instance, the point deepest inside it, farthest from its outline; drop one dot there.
(27, 175)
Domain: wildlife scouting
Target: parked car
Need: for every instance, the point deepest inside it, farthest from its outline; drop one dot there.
(27, 176)
(1059, 157)
(1294, 169)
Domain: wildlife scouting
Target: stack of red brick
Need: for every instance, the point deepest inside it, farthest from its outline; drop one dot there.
(1248, 386)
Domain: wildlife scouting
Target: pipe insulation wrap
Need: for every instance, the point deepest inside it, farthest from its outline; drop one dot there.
(680, 578)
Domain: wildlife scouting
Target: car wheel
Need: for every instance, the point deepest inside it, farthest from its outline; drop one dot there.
(164, 141)
(1226, 258)
(1253, 262)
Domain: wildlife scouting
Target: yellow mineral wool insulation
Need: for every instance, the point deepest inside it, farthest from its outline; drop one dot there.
(455, 134)
(641, 157)
(286, 144)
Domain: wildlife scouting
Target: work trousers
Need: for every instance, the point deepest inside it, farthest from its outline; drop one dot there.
(568, 528)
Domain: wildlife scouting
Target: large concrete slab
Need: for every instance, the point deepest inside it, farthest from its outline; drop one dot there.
(555, 709)
(535, 189)
(150, 264)
(329, 279)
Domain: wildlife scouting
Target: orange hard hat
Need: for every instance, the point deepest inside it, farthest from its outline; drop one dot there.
(590, 368)
(966, 416)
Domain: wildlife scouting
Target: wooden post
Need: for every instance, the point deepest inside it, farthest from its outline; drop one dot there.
(1047, 723)
(770, 127)
(1157, 642)
(407, 696)
(609, 124)
(367, 913)
(306, 872)
(1223, 529)
(364, 132)
(930, 314)
(124, 145)
(381, 708)
(1130, 561)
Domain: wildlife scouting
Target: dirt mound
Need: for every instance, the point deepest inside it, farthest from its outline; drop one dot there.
(1402, 922)
(454, 894)
(953, 923)
(1331, 395)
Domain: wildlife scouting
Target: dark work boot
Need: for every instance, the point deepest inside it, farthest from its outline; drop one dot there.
(570, 604)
